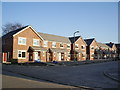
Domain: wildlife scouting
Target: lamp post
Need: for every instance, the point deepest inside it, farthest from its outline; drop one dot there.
(74, 44)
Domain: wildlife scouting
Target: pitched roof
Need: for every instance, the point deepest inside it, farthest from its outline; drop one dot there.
(72, 39)
(102, 45)
(33, 48)
(117, 45)
(89, 41)
(13, 32)
(110, 44)
(55, 38)
(58, 50)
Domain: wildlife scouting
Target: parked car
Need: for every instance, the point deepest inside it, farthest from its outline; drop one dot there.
(37, 61)
(55, 62)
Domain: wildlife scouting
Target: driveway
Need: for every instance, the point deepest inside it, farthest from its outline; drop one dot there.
(89, 75)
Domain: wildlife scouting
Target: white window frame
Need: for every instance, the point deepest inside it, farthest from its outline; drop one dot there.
(21, 38)
(77, 46)
(21, 54)
(62, 44)
(45, 43)
(36, 40)
(53, 46)
(83, 47)
(92, 47)
(68, 45)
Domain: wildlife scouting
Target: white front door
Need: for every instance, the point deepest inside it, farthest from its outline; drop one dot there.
(36, 55)
(59, 56)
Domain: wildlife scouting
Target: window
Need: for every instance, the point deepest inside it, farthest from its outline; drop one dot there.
(76, 46)
(36, 42)
(21, 41)
(61, 45)
(83, 55)
(82, 47)
(54, 44)
(21, 54)
(92, 55)
(68, 45)
(68, 54)
(92, 47)
(45, 43)
(43, 53)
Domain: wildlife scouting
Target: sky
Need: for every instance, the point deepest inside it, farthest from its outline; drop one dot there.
(92, 19)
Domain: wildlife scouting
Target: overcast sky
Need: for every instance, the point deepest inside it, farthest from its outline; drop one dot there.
(92, 19)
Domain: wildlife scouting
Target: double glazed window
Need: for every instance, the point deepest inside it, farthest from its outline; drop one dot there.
(53, 44)
(82, 47)
(21, 41)
(36, 42)
(76, 46)
(21, 54)
(61, 45)
(68, 45)
(45, 43)
(92, 47)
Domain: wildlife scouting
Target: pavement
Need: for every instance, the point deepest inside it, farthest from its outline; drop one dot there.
(88, 75)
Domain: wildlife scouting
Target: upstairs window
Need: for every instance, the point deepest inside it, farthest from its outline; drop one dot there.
(68, 54)
(36, 42)
(45, 43)
(82, 47)
(92, 47)
(53, 44)
(76, 46)
(21, 41)
(68, 45)
(61, 45)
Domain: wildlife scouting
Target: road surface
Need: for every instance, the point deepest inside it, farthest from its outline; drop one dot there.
(89, 75)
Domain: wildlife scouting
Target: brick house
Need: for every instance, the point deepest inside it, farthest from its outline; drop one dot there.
(103, 51)
(113, 49)
(17, 44)
(118, 50)
(78, 48)
(91, 48)
(58, 47)
(27, 45)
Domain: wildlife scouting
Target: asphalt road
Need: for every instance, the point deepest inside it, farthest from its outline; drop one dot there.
(12, 80)
(90, 75)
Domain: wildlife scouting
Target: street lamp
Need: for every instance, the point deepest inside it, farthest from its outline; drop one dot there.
(74, 44)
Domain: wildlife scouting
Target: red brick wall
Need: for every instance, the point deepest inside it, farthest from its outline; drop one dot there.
(94, 44)
(29, 35)
(80, 43)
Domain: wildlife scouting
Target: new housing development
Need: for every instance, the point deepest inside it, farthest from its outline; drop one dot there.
(27, 45)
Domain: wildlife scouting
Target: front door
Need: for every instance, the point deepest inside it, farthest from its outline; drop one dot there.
(30, 56)
(35, 55)
(59, 56)
(62, 56)
(4, 57)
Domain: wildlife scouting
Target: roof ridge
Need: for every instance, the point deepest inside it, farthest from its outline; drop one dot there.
(51, 34)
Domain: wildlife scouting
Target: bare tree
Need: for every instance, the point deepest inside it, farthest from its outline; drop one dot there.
(10, 27)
